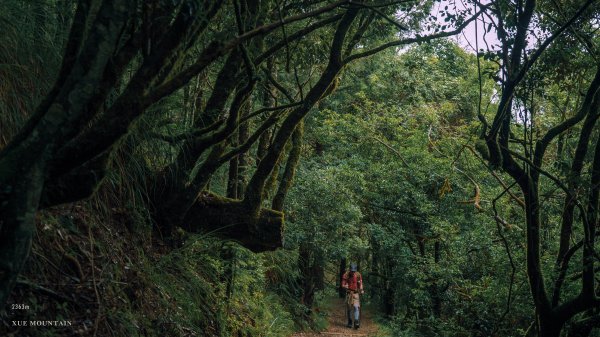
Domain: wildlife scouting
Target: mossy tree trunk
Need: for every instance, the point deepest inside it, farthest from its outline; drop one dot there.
(256, 187)
(290, 168)
(182, 193)
(551, 313)
(26, 160)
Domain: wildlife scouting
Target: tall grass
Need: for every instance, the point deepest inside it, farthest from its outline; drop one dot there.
(31, 42)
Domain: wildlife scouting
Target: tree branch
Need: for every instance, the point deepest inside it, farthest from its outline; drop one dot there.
(410, 41)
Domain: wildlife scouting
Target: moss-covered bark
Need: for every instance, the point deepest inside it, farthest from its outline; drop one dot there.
(189, 174)
(256, 187)
(549, 317)
(290, 168)
(243, 160)
(229, 219)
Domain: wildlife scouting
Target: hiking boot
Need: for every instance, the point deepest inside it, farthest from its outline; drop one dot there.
(356, 324)
(349, 325)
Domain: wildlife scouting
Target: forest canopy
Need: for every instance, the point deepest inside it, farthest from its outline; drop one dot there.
(189, 167)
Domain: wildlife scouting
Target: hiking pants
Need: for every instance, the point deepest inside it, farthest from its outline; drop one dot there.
(356, 308)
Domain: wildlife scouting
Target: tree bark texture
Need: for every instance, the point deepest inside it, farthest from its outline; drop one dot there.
(290, 168)
(229, 219)
(24, 163)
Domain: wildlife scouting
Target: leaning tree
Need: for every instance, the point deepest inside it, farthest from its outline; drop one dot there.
(122, 58)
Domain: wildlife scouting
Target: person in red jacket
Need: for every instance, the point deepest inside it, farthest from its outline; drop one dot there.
(353, 283)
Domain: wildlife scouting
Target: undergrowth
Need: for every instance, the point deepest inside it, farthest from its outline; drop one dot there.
(100, 270)
(97, 264)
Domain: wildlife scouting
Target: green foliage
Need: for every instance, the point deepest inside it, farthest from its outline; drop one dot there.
(391, 142)
(392, 174)
(225, 297)
(322, 210)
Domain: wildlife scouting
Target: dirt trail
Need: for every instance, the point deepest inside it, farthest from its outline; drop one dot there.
(337, 323)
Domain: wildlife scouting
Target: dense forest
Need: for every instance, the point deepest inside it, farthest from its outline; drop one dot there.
(213, 168)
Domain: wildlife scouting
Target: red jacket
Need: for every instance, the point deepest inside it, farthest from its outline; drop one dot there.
(354, 282)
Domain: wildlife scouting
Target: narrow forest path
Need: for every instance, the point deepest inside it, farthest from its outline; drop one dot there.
(336, 318)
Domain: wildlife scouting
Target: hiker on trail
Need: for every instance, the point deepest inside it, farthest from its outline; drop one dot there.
(353, 283)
